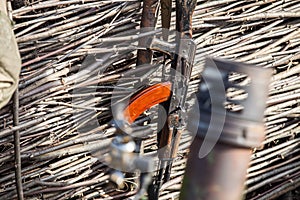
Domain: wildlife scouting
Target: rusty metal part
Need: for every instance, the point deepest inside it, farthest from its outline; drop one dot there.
(166, 10)
(176, 142)
(144, 100)
(148, 22)
(169, 136)
(220, 175)
(184, 13)
(176, 136)
(182, 65)
(149, 19)
(165, 144)
(172, 138)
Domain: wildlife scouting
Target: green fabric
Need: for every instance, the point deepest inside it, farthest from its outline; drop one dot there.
(10, 61)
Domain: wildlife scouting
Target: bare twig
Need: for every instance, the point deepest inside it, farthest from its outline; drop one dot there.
(18, 174)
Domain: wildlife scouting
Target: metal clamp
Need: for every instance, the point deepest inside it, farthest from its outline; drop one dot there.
(186, 48)
(161, 45)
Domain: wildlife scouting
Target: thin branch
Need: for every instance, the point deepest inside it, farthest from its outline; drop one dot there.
(18, 169)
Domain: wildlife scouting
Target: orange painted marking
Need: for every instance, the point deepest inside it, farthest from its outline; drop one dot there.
(144, 100)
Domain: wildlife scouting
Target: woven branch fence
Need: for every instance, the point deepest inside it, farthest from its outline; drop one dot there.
(60, 124)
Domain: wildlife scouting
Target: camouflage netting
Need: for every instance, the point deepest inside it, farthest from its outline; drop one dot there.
(60, 123)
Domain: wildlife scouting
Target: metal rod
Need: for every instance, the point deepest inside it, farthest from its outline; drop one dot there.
(184, 11)
(149, 19)
(148, 23)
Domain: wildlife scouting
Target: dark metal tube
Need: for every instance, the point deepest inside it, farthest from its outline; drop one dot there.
(149, 18)
(218, 176)
(227, 137)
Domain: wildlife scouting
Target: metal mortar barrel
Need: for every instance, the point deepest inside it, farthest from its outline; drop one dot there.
(220, 153)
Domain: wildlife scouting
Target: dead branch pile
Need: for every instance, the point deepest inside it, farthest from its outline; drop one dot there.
(65, 98)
